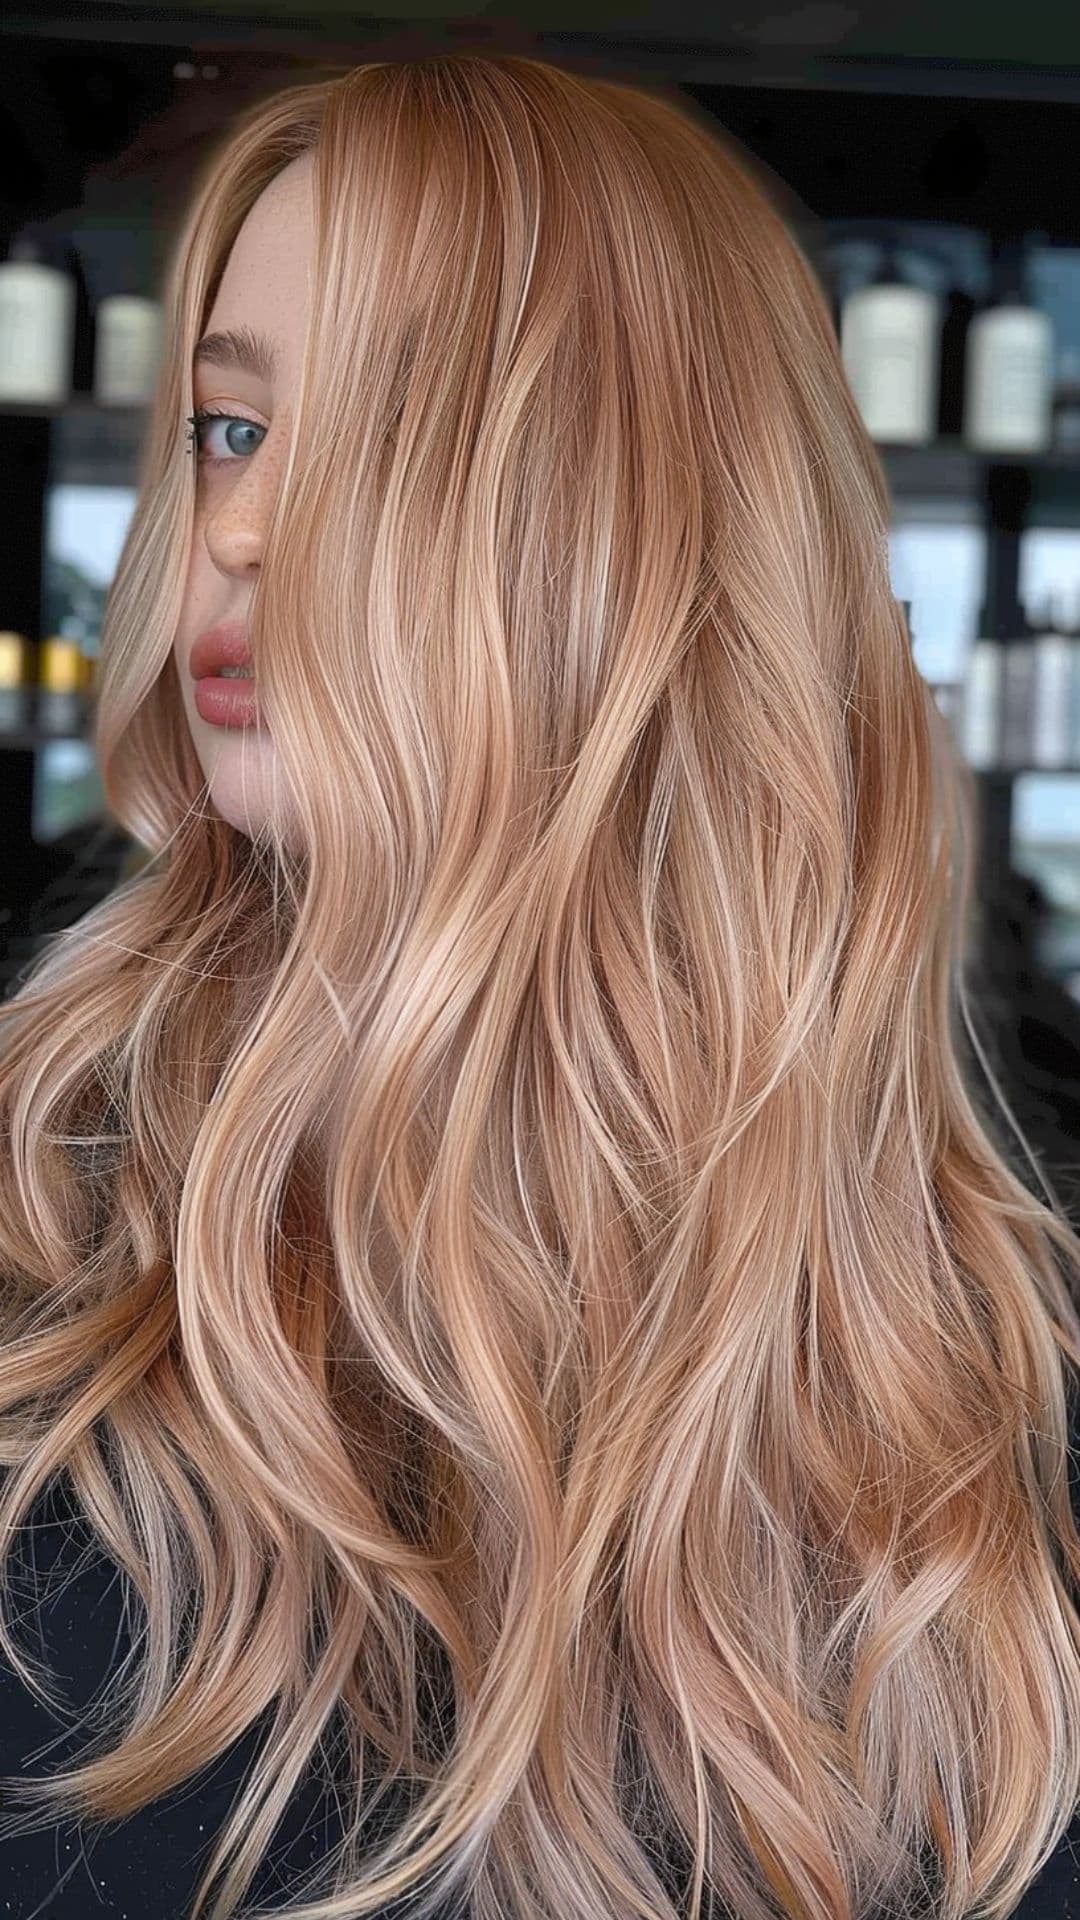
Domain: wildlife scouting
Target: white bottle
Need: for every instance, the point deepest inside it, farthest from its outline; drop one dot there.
(890, 343)
(1074, 702)
(1017, 704)
(981, 705)
(1050, 743)
(37, 321)
(126, 350)
(1009, 369)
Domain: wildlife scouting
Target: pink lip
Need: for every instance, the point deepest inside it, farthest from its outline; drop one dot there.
(225, 645)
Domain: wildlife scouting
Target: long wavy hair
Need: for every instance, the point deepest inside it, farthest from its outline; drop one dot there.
(519, 1277)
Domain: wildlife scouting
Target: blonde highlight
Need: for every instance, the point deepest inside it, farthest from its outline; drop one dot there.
(656, 1352)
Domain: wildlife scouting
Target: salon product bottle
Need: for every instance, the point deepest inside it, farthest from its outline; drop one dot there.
(16, 683)
(1008, 379)
(1074, 699)
(37, 319)
(980, 706)
(61, 701)
(1017, 703)
(849, 261)
(126, 349)
(890, 345)
(91, 679)
(1054, 667)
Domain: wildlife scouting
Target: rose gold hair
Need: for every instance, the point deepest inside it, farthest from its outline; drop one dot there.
(537, 1222)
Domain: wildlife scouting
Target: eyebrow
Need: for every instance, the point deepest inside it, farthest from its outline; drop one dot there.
(255, 353)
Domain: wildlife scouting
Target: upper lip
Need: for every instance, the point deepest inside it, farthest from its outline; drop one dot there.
(225, 645)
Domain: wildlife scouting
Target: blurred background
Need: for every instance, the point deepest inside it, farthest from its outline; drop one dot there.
(928, 158)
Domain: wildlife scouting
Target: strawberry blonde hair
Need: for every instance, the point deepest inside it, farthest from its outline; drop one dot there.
(637, 1425)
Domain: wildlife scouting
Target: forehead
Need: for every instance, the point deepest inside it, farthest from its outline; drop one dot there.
(266, 282)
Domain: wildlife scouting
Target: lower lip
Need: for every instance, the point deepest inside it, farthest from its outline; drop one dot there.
(226, 702)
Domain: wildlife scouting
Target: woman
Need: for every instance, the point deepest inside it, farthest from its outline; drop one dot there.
(496, 1232)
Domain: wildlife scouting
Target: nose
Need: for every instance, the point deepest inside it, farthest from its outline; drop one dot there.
(236, 522)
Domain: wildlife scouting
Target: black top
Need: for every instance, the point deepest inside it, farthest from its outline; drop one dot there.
(68, 1612)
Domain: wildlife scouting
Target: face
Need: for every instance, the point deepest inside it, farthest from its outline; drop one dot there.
(265, 290)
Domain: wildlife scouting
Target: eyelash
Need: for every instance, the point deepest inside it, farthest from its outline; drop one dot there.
(198, 419)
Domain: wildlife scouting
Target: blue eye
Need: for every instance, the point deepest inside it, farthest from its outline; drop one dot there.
(202, 417)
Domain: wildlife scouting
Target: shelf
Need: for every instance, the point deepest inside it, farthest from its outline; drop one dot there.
(948, 467)
(89, 445)
(75, 403)
(33, 739)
